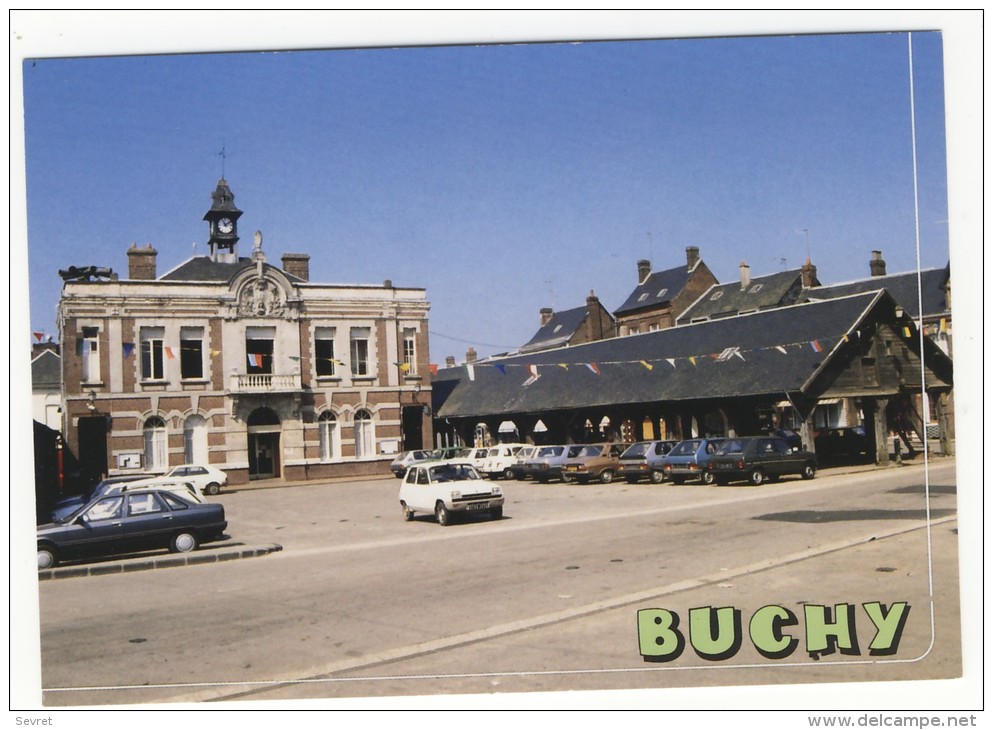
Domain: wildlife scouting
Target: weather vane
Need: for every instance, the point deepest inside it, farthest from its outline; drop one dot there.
(224, 156)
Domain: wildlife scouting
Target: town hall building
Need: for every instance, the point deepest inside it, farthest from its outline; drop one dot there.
(236, 362)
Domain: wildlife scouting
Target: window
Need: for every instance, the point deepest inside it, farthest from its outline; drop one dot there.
(755, 289)
(194, 442)
(327, 425)
(643, 296)
(662, 292)
(716, 295)
(360, 351)
(364, 435)
(191, 352)
(259, 348)
(155, 444)
(89, 352)
(324, 351)
(410, 350)
(143, 504)
(105, 509)
(152, 367)
(173, 501)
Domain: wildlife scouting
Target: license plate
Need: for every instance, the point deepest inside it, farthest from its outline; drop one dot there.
(478, 505)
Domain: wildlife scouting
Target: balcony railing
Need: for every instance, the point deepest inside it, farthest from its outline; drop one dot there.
(264, 383)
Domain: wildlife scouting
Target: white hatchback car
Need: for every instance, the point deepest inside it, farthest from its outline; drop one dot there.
(205, 479)
(447, 488)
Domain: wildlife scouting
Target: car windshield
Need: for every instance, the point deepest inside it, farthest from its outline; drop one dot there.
(637, 449)
(686, 448)
(452, 472)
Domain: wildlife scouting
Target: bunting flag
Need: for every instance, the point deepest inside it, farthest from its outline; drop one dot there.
(255, 359)
(533, 369)
(648, 365)
(169, 353)
(593, 368)
(692, 360)
(780, 348)
(215, 353)
(294, 358)
(738, 353)
(942, 326)
(907, 332)
(671, 361)
(404, 367)
(433, 367)
(502, 368)
(128, 348)
(563, 365)
(472, 371)
(845, 338)
(39, 336)
(816, 345)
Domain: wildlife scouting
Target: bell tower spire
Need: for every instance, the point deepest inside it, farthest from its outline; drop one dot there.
(223, 219)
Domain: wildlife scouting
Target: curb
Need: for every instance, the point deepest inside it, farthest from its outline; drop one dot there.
(154, 562)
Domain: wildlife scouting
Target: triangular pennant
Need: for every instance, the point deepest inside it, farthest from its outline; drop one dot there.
(471, 369)
(502, 369)
(671, 361)
(816, 345)
(564, 366)
(128, 348)
(169, 353)
(780, 348)
(593, 367)
(39, 336)
(648, 365)
(693, 360)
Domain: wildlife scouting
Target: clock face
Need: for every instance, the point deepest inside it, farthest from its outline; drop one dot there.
(225, 225)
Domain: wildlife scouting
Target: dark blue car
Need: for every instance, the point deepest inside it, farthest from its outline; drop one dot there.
(142, 519)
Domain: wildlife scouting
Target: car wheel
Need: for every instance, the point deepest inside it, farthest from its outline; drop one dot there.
(408, 513)
(809, 470)
(707, 478)
(756, 477)
(497, 513)
(212, 488)
(607, 476)
(508, 473)
(184, 542)
(657, 477)
(46, 558)
(443, 515)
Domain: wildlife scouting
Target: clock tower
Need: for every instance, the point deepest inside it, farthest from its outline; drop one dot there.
(223, 219)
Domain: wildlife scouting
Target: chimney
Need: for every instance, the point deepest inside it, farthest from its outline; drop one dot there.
(546, 315)
(297, 264)
(746, 277)
(692, 257)
(592, 303)
(644, 270)
(450, 361)
(877, 267)
(470, 356)
(808, 273)
(141, 262)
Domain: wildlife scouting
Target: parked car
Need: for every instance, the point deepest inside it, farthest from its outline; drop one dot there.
(139, 519)
(521, 459)
(548, 461)
(448, 452)
(643, 460)
(595, 461)
(399, 465)
(758, 458)
(208, 479)
(182, 487)
(843, 444)
(500, 460)
(67, 505)
(112, 486)
(688, 460)
(477, 457)
(448, 488)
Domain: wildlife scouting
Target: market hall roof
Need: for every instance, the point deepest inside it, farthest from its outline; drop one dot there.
(760, 292)
(765, 353)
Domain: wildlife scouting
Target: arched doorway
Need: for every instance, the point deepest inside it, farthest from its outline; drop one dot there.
(263, 444)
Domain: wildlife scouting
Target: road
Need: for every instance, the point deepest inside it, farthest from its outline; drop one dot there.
(361, 604)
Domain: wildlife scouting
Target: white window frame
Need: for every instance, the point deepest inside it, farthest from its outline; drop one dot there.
(195, 445)
(330, 436)
(360, 352)
(325, 334)
(191, 335)
(156, 440)
(410, 350)
(152, 347)
(90, 354)
(365, 434)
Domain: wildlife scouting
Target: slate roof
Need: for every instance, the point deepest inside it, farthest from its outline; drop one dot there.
(902, 287)
(762, 292)
(558, 330)
(202, 268)
(46, 371)
(565, 381)
(659, 288)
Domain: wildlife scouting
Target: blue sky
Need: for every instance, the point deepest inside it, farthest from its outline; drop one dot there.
(501, 178)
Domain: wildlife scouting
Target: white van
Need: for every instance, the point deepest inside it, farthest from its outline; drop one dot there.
(500, 460)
